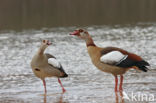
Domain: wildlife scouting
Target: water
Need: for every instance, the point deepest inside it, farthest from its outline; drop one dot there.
(85, 83)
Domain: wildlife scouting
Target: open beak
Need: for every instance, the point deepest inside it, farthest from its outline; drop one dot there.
(76, 32)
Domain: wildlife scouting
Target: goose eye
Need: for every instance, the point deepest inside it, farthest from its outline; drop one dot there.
(37, 69)
(43, 41)
(80, 30)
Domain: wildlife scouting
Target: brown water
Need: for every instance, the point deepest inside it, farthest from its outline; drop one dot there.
(36, 14)
(85, 84)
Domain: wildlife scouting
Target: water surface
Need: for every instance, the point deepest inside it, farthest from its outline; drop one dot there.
(85, 84)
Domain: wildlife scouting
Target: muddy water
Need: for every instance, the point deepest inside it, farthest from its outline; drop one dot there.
(85, 83)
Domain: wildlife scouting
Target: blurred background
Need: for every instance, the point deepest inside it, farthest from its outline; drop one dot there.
(37, 14)
(127, 24)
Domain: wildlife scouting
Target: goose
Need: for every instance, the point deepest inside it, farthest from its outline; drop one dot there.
(112, 60)
(46, 65)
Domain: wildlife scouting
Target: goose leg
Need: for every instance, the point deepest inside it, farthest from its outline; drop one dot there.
(116, 83)
(121, 82)
(61, 85)
(44, 84)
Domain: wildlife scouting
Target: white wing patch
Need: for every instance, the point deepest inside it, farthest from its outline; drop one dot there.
(113, 57)
(54, 62)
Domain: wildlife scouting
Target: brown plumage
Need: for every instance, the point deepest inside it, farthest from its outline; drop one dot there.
(42, 66)
(112, 60)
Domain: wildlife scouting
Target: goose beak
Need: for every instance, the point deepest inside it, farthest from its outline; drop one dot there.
(76, 32)
(49, 43)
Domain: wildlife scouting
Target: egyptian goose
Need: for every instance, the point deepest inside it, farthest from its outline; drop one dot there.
(45, 65)
(112, 60)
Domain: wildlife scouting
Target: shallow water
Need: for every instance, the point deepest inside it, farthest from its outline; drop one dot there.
(85, 83)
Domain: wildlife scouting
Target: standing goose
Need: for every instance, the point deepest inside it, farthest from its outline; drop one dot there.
(112, 60)
(45, 65)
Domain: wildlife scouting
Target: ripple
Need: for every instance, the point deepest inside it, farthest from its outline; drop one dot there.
(85, 83)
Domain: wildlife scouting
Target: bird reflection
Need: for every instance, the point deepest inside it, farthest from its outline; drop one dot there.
(45, 98)
(60, 99)
(121, 97)
(116, 96)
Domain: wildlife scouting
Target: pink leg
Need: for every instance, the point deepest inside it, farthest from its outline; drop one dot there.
(44, 84)
(121, 82)
(61, 85)
(116, 83)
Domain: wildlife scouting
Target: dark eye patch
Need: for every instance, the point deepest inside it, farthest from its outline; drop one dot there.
(80, 30)
(43, 41)
(37, 69)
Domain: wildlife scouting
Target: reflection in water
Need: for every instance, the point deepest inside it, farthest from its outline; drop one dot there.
(121, 95)
(59, 100)
(117, 97)
(121, 99)
(86, 84)
(45, 98)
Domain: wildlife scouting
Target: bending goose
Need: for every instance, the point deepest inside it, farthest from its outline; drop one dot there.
(45, 65)
(112, 60)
